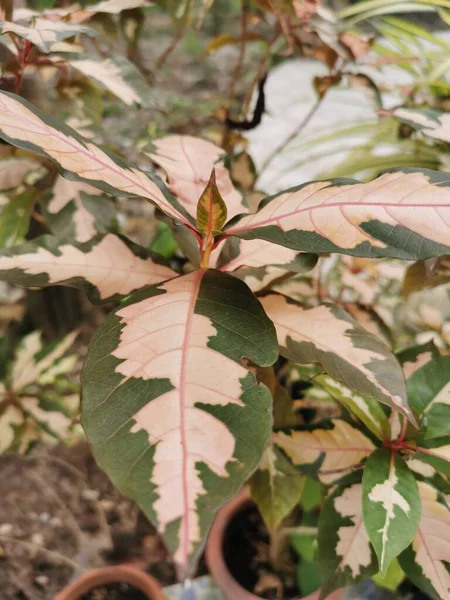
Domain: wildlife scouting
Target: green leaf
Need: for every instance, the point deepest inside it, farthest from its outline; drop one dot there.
(429, 397)
(107, 267)
(311, 494)
(79, 159)
(366, 409)
(211, 209)
(15, 217)
(77, 211)
(347, 352)
(391, 505)
(415, 357)
(276, 487)
(345, 554)
(164, 242)
(173, 416)
(401, 214)
(426, 561)
(436, 452)
(393, 578)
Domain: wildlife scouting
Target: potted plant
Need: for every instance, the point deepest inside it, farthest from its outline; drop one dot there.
(174, 403)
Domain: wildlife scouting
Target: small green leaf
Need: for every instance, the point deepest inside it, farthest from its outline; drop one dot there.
(15, 218)
(429, 397)
(391, 505)
(211, 209)
(276, 487)
(393, 578)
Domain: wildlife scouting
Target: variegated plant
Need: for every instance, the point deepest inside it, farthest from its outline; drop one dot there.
(38, 398)
(175, 402)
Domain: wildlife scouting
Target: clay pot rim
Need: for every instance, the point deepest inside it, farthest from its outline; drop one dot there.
(215, 559)
(113, 574)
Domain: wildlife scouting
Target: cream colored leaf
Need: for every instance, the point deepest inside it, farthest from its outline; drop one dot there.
(44, 33)
(11, 417)
(108, 265)
(56, 421)
(342, 448)
(353, 546)
(114, 7)
(13, 171)
(433, 124)
(188, 162)
(65, 191)
(77, 157)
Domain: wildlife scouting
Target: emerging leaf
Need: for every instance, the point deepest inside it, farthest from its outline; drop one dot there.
(188, 162)
(211, 210)
(345, 554)
(45, 33)
(429, 397)
(391, 505)
(107, 267)
(328, 336)
(276, 487)
(426, 561)
(401, 214)
(78, 158)
(334, 452)
(77, 211)
(167, 404)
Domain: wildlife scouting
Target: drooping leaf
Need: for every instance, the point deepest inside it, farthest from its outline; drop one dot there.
(44, 33)
(188, 162)
(436, 452)
(77, 211)
(347, 352)
(345, 554)
(117, 75)
(79, 159)
(276, 487)
(211, 210)
(426, 561)
(401, 214)
(429, 397)
(173, 416)
(107, 267)
(365, 408)
(391, 505)
(432, 123)
(334, 452)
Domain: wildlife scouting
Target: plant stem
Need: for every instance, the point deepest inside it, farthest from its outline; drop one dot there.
(161, 61)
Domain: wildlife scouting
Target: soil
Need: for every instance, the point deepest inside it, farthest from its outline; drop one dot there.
(60, 514)
(246, 553)
(115, 591)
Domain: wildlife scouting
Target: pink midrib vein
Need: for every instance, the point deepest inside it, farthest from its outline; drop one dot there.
(88, 154)
(184, 450)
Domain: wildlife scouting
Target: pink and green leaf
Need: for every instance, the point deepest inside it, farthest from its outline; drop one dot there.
(188, 162)
(345, 554)
(77, 211)
(79, 159)
(329, 336)
(401, 214)
(333, 452)
(426, 562)
(391, 505)
(107, 267)
(171, 412)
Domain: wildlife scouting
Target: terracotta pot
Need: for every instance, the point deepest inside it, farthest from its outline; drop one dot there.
(216, 562)
(112, 574)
